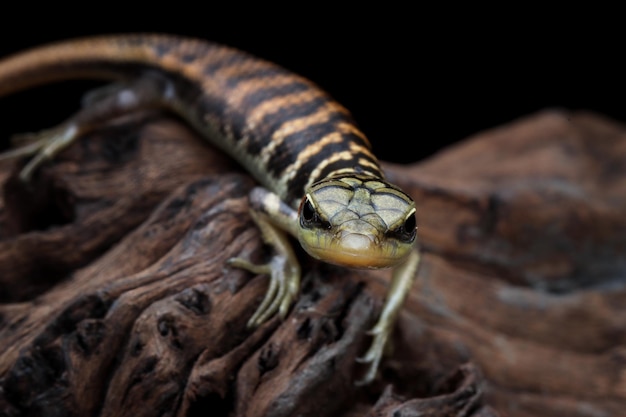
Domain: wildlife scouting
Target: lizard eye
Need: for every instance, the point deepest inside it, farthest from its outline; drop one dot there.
(307, 213)
(309, 217)
(407, 232)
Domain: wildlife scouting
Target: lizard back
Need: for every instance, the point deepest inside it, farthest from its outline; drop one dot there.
(283, 128)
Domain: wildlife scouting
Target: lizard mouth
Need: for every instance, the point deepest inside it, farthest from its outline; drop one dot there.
(355, 250)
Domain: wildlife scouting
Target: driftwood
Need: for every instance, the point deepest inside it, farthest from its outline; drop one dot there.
(115, 299)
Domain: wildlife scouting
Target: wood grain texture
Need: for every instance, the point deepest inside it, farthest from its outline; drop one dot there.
(115, 298)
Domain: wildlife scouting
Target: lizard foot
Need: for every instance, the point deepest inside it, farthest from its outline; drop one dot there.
(283, 269)
(44, 145)
(374, 354)
(401, 282)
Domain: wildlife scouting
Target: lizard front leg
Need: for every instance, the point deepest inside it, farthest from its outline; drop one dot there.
(273, 217)
(402, 280)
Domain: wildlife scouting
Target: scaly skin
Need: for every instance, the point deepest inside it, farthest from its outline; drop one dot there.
(301, 145)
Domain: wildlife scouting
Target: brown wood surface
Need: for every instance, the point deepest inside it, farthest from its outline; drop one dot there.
(115, 299)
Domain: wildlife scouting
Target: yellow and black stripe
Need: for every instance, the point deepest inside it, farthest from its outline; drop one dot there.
(290, 135)
(287, 131)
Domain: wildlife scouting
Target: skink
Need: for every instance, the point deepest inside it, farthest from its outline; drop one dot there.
(320, 181)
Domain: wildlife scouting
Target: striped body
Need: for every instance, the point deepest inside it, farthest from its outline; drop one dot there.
(301, 145)
(284, 129)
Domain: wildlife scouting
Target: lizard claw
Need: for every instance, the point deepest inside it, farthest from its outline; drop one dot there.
(282, 289)
(43, 145)
(374, 354)
(284, 272)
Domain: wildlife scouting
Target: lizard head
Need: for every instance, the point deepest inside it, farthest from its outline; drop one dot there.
(357, 221)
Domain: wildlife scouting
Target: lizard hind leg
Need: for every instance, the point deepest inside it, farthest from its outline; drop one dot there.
(44, 145)
(115, 101)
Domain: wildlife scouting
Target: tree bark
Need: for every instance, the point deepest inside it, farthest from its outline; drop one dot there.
(115, 297)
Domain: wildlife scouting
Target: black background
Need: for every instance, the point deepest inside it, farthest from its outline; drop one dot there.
(416, 81)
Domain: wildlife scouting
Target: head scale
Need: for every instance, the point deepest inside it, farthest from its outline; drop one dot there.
(357, 221)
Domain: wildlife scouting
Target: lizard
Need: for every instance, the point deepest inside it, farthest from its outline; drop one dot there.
(319, 180)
